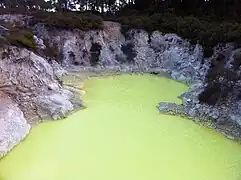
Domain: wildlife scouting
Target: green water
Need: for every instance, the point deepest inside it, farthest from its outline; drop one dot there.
(121, 136)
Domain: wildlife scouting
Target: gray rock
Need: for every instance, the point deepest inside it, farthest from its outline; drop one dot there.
(39, 42)
(57, 105)
(13, 125)
(172, 109)
(28, 80)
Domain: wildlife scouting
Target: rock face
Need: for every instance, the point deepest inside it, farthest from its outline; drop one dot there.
(29, 92)
(136, 49)
(13, 125)
(29, 79)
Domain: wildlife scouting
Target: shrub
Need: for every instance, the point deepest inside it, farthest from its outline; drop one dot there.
(68, 20)
(211, 94)
(221, 80)
(207, 51)
(196, 30)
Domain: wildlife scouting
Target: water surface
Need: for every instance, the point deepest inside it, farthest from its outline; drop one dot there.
(122, 136)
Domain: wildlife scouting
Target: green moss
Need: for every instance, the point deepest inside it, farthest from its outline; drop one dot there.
(17, 36)
(21, 38)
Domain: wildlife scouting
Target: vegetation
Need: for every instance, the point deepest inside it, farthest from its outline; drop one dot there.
(68, 20)
(22, 38)
(196, 30)
(222, 80)
(17, 36)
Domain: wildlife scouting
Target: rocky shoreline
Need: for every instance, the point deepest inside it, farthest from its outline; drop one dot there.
(37, 88)
(191, 108)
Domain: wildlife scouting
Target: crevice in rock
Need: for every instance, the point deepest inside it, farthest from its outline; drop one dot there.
(128, 50)
(95, 51)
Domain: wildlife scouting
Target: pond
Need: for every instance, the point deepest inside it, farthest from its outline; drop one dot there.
(122, 136)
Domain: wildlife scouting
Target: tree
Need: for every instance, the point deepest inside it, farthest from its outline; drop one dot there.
(142, 4)
(26, 4)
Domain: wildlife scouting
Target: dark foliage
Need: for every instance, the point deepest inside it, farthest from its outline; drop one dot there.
(211, 94)
(68, 20)
(196, 30)
(222, 81)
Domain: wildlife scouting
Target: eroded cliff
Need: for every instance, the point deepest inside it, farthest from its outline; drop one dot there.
(29, 92)
(138, 50)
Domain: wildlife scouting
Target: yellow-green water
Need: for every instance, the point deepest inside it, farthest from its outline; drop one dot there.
(121, 136)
